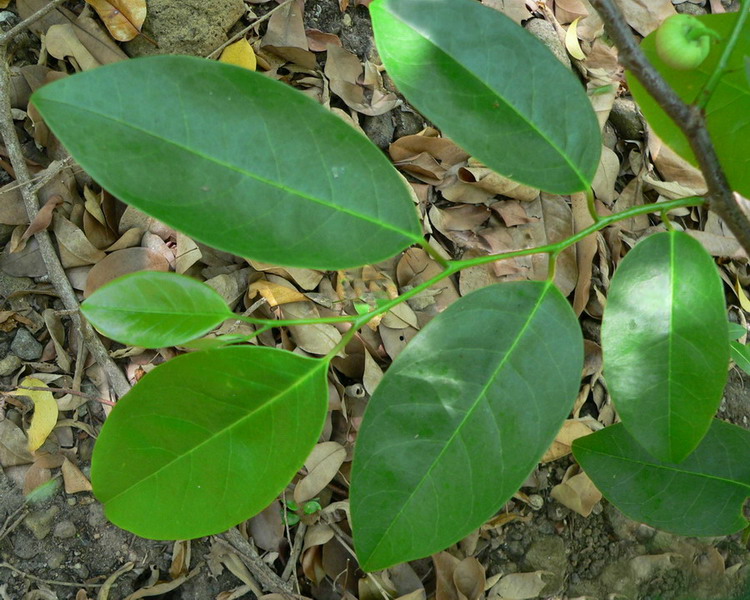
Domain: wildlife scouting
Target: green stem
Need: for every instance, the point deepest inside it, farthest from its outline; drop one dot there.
(453, 267)
(591, 204)
(436, 256)
(721, 66)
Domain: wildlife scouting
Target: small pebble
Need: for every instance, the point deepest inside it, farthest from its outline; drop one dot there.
(55, 559)
(64, 529)
(25, 346)
(39, 522)
(9, 365)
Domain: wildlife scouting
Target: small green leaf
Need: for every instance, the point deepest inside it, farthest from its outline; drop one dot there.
(461, 418)
(154, 309)
(700, 496)
(741, 356)
(208, 439)
(234, 159)
(664, 342)
(736, 331)
(493, 88)
(728, 111)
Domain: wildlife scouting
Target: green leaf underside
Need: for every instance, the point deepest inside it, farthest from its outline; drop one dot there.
(208, 440)
(728, 111)
(741, 356)
(665, 343)
(152, 309)
(701, 496)
(461, 418)
(235, 160)
(493, 88)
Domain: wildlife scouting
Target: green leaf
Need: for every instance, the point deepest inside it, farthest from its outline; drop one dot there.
(154, 309)
(701, 496)
(461, 418)
(664, 342)
(234, 159)
(728, 111)
(736, 331)
(208, 439)
(741, 355)
(493, 88)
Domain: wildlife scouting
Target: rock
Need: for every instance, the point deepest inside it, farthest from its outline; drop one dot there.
(25, 346)
(5, 232)
(39, 522)
(545, 32)
(64, 529)
(407, 122)
(10, 284)
(25, 546)
(195, 27)
(379, 129)
(9, 365)
(626, 120)
(688, 8)
(548, 554)
(55, 559)
(623, 527)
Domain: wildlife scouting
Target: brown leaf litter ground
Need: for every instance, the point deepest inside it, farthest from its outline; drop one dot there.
(61, 546)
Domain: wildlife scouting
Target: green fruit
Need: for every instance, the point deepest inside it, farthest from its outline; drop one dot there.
(683, 42)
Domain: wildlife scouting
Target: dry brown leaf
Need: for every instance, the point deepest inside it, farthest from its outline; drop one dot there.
(75, 481)
(43, 217)
(469, 579)
(577, 492)
(267, 528)
(275, 294)
(477, 175)
(673, 167)
(518, 586)
(445, 566)
(57, 333)
(61, 42)
(585, 251)
(317, 339)
(513, 9)
(12, 208)
(415, 267)
(75, 248)
(318, 41)
(14, 448)
(646, 15)
(180, 559)
(123, 262)
(25, 263)
(97, 40)
(372, 374)
(318, 535)
(606, 176)
(395, 340)
(567, 11)
(286, 37)
(570, 431)
(230, 286)
(123, 18)
(322, 465)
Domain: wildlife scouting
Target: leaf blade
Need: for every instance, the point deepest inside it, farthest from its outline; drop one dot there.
(148, 451)
(153, 309)
(445, 55)
(248, 165)
(457, 381)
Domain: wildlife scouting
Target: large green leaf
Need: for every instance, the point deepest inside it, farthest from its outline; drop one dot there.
(234, 159)
(461, 418)
(208, 439)
(701, 496)
(154, 309)
(665, 343)
(727, 113)
(492, 87)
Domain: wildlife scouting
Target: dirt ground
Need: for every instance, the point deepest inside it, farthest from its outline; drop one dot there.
(53, 548)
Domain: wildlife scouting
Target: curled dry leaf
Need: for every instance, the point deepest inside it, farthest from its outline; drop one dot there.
(123, 18)
(74, 480)
(518, 586)
(45, 412)
(285, 35)
(121, 263)
(61, 42)
(578, 493)
(322, 465)
(14, 449)
(469, 579)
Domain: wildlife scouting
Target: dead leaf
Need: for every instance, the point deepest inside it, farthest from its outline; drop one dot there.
(518, 586)
(285, 35)
(123, 262)
(57, 333)
(646, 15)
(14, 448)
(240, 53)
(123, 18)
(75, 249)
(75, 480)
(267, 528)
(445, 566)
(514, 9)
(469, 579)
(570, 431)
(43, 217)
(318, 41)
(606, 176)
(61, 42)
(275, 294)
(578, 493)
(572, 45)
(322, 465)
(45, 411)
(180, 559)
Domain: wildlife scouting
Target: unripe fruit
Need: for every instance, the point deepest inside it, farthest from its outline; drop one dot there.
(683, 42)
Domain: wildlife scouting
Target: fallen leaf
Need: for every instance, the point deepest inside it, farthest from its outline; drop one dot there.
(578, 493)
(267, 528)
(518, 586)
(646, 15)
(572, 45)
(43, 217)
(275, 294)
(45, 412)
(322, 465)
(469, 579)
(75, 480)
(14, 449)
(285, 35)
(123, 18)
(61, 42)
(123, 262)
(240, 53)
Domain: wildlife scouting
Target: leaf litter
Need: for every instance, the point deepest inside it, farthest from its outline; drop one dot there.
(466, 210)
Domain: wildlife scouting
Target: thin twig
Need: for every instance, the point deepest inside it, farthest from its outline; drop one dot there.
(9, 525)
(688, 118)
(57, 275)
(62, 390)
(291, 565)
(343, 538)
(241, 34)
(260, 570)
(26, 23)
(5, 565)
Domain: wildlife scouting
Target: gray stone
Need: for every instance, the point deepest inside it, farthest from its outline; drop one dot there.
(195, 27)
(55, 559)
(548, 554)
(545, 32)
(379, 129)
(10, 284)
(5, 232)
(25, 346)
(64, 529)
(9, 365)
(626, 120)
(688, 8)
(25, 546)
(39, 522)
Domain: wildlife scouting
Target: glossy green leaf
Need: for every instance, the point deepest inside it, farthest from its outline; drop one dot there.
(234, 159)
(736, 331)
(741, 355)
(461, 418)
(728, 111)
(208, 440)
(665, 343)
(700, 496)
(154, 309)
(493, 88)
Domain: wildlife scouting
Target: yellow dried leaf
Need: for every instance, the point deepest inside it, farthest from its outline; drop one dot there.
(45, 412)
(571, 41)
(741, 295)
(241, 54)
(123, 18)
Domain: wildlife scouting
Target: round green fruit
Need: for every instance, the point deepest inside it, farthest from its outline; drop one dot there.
(683, 42)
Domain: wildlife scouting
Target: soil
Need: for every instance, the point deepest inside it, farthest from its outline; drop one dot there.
(55, 547)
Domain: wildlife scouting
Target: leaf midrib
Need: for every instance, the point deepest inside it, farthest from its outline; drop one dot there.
(272, 400)
(238, 169)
